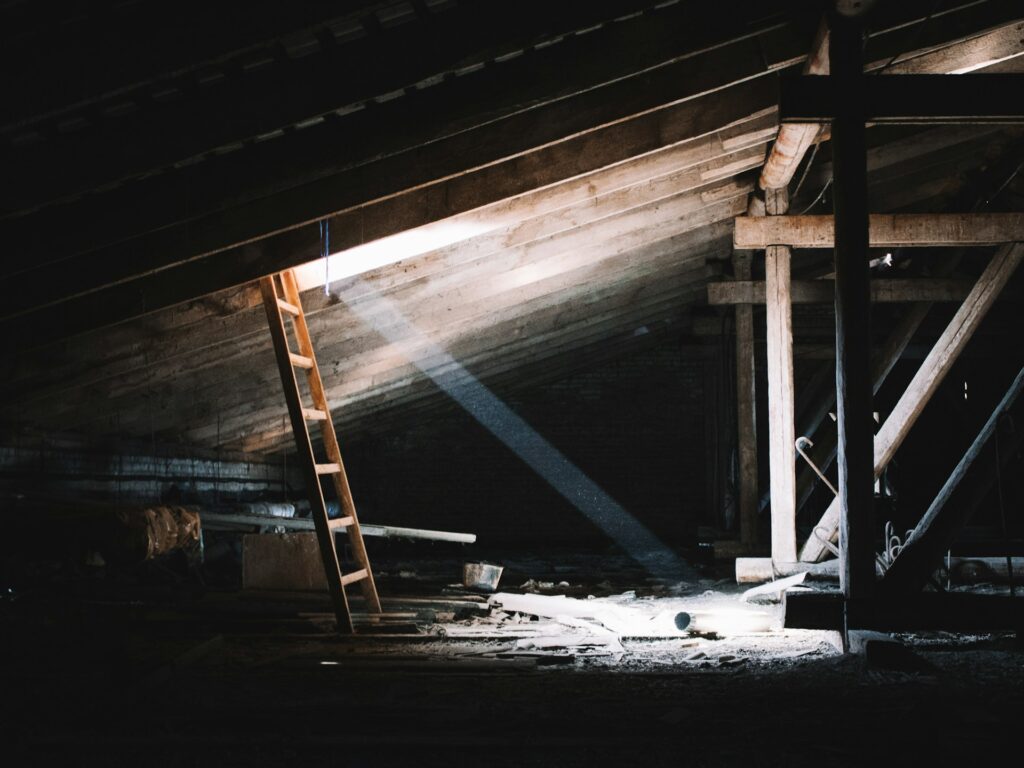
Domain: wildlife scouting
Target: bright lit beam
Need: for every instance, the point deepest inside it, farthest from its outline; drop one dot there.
(984, 64)
(385, 251)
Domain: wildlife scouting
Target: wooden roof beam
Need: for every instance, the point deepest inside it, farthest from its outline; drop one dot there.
(901, 230)
(823, 291)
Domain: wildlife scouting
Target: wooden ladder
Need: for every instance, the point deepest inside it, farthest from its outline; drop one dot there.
(287, 361)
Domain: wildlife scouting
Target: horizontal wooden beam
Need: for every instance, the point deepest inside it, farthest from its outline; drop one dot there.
(909, 99)
(902, 230)
(823, 291)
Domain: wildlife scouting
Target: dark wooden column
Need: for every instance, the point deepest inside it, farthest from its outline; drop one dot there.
(853, 302)
(746, 409)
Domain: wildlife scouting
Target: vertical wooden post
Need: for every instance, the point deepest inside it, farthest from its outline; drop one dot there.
(781, 431)
(853, 302)
(746, 409)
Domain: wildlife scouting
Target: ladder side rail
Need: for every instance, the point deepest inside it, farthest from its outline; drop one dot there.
(325, 538)
(331, 446)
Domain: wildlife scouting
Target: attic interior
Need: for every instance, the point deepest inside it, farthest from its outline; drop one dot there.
(530, 383)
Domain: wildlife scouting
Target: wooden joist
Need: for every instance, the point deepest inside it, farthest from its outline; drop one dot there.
(886, 230)
(823, 291)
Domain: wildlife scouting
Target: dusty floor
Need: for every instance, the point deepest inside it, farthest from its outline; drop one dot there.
(228, 678)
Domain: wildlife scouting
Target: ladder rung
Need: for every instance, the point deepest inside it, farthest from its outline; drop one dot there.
(314, 414)
(291, 309)
(300, 361)
(340, 522)
(328, 469)
(348, 578)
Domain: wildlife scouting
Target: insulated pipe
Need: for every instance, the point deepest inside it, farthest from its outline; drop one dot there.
(794, 139)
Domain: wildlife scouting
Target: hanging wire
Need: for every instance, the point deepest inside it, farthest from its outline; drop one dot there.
(818, 198)
(1006, 183)
(807, 168)
(325, 252)
(916, 40)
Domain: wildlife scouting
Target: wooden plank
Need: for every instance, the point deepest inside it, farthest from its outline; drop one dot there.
(887, 230)
(515, 341)
(781, 392)
(555, 311)
(610, 311)
(908, 99)
(566, 348)
(586, 292)
(746, 410)
(285, 561)
(758, 569)
(226, 520)
(541, 218)
(883, 291)
(495, 288)
(354, 576)
(291, 309)
(927, 379)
